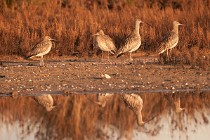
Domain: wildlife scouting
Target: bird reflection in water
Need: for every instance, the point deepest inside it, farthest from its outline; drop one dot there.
(102, 98)
(178, 107)
(45, 100)
(78, 117)
(133, 101)
(175, 100)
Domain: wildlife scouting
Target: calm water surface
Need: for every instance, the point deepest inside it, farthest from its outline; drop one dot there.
(167, 115)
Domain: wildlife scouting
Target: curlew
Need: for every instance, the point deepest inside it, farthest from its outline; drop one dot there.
(104, 42)
(45, 100)
(133, 42)
(41, 49)
(170, 40)
(135, 103)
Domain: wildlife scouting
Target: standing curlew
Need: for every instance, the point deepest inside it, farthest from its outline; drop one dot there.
(171, 40)
(104, 42)
(135, 103)
(133, 42)
(45, 100)
(41, 49)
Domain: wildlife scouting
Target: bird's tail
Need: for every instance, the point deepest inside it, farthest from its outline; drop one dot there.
(119, 53)
(113, 51)
(28, 56)
(161, 49)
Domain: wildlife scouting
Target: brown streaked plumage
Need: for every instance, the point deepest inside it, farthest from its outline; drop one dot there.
(45, 100)
(104, 42)
(133, 42)
(170, 40)
(41, 49)
(135, 103)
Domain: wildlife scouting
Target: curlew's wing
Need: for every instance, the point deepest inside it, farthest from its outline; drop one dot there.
(109, 43)
(39, 48)
(168, 42)
(130, 43)
(105, 43)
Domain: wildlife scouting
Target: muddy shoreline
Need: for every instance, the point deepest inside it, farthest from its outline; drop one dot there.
(88, 75)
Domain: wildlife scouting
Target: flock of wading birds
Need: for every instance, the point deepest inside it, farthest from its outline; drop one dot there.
(105, 43)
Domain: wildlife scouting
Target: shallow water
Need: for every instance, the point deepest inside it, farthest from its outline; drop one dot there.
(76, 116)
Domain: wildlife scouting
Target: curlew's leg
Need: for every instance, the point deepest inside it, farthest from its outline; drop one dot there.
(131, 59)
(167, 54)
(41, 61)
(108, 55)
(102, 56)
(161, 59)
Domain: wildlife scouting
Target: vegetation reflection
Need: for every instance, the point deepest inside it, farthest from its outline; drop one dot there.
(80, 116)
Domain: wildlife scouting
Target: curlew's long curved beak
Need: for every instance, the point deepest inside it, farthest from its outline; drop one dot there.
(54, 40)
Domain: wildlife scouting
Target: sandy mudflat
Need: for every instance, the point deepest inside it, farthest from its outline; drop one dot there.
(88, 75)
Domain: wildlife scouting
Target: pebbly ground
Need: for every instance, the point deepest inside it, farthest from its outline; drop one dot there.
(88, 75)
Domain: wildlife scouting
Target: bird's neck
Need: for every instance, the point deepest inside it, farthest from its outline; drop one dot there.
(176, 29)
(136, 29)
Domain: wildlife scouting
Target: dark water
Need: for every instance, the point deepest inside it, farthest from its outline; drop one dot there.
(180, 115)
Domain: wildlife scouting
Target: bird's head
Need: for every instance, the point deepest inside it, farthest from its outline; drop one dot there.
(100, 32)
(176, 23)
(138, 21)
(141, 123)
(48, 38)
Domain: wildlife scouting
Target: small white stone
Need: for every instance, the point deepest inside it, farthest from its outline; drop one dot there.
(106, 76)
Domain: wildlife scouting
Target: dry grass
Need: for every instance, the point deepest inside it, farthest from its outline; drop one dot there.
(23, 23)
(78, 117)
